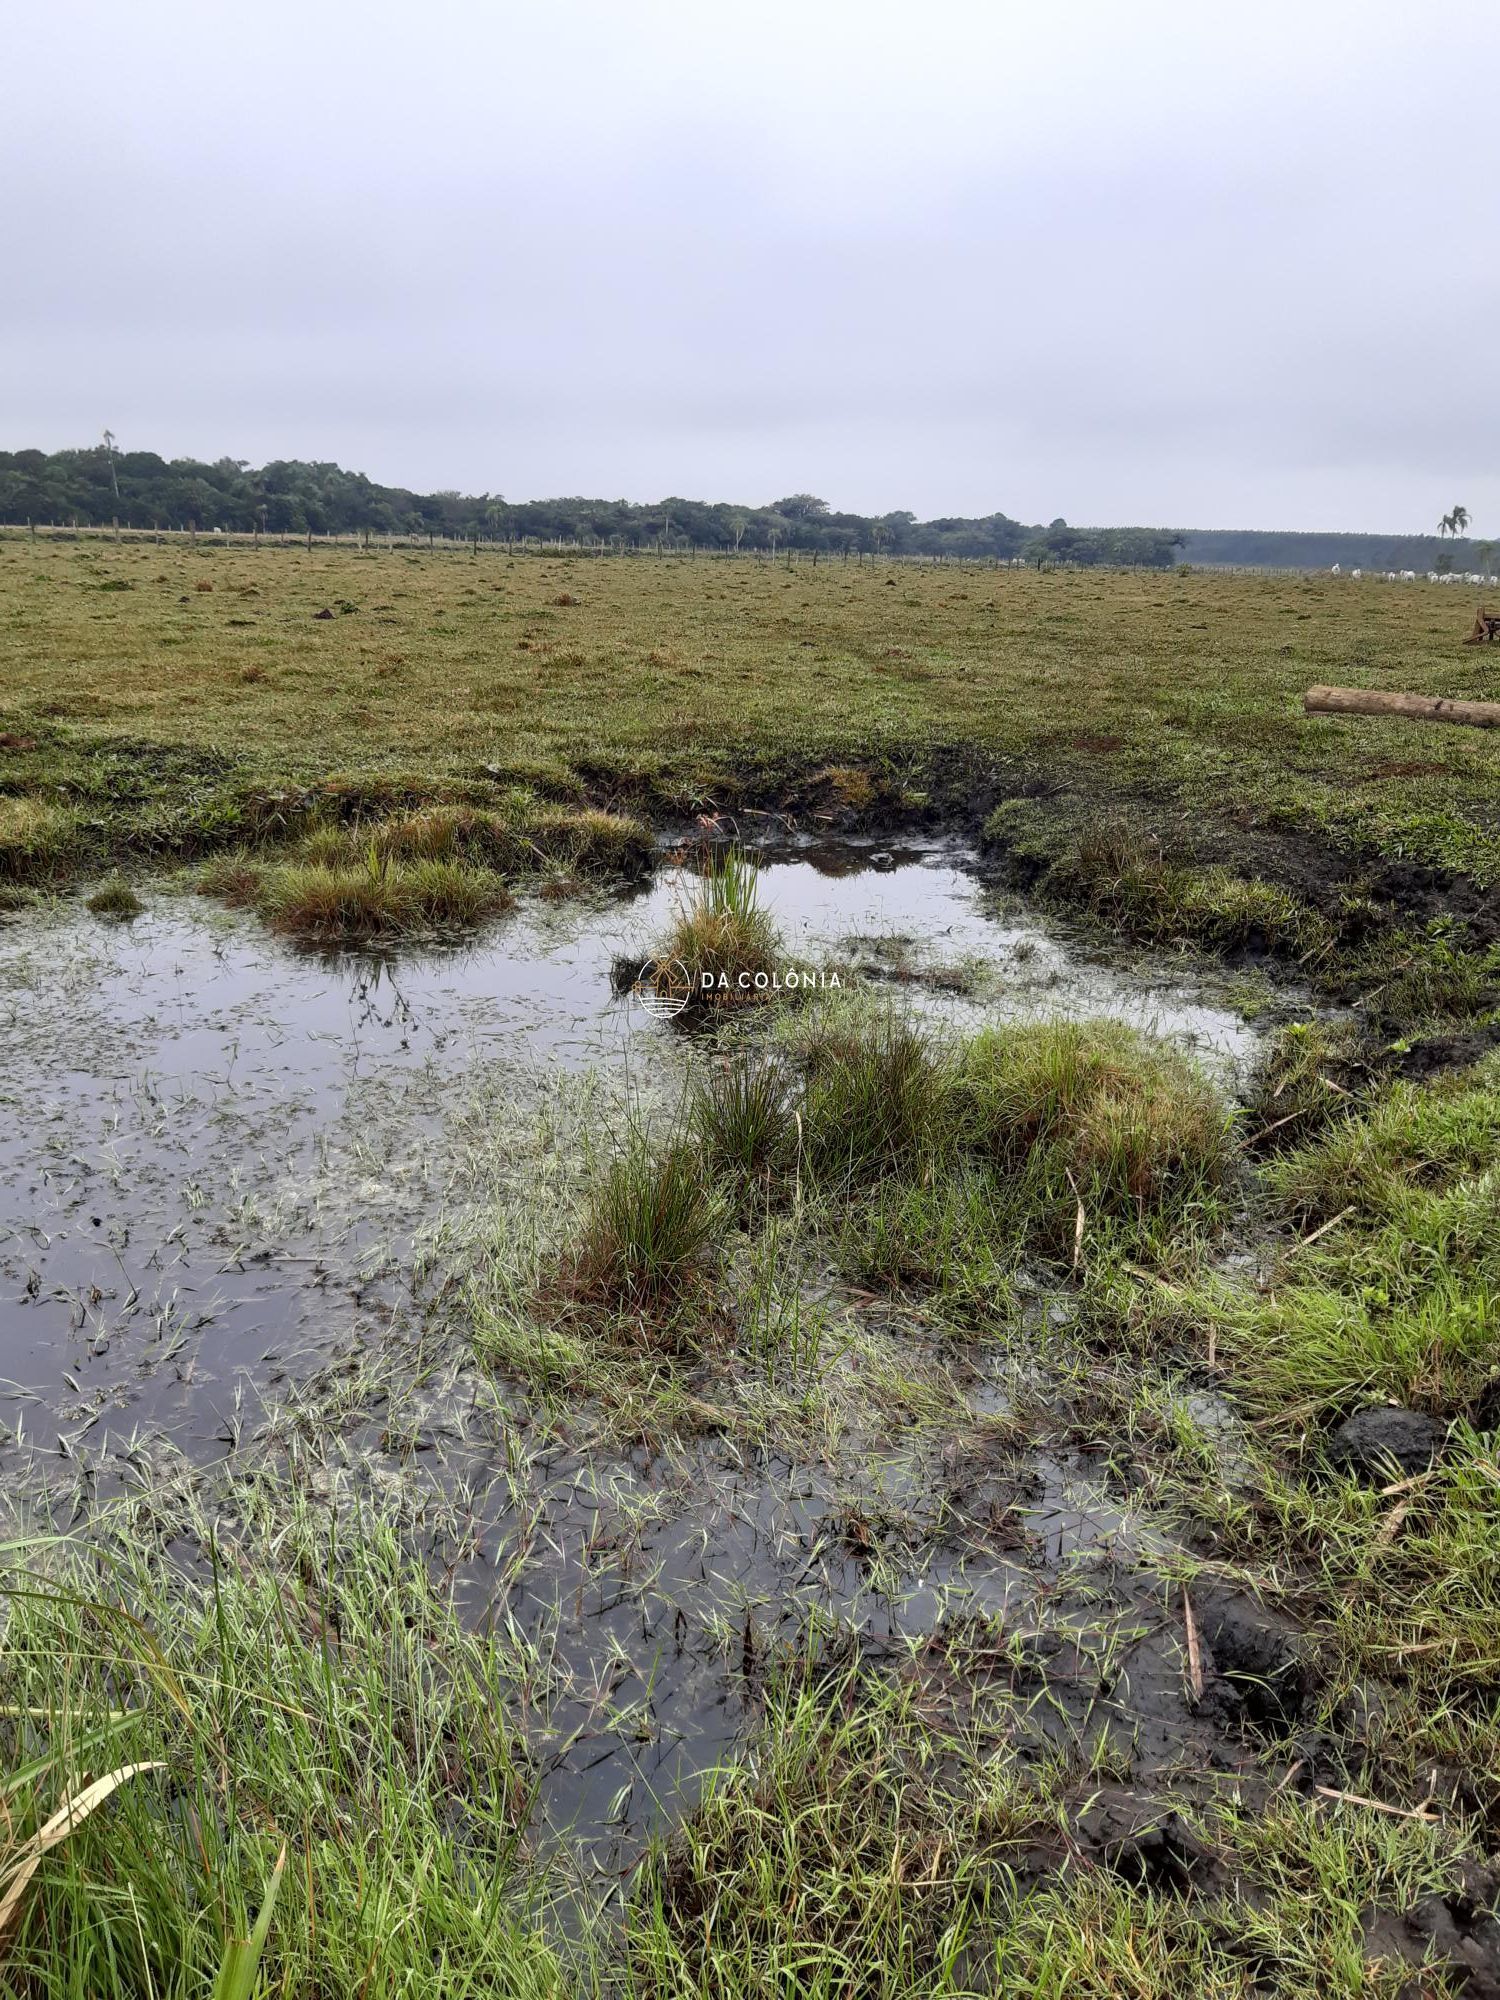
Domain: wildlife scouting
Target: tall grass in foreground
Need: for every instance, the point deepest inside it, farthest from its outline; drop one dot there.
(306, 1688)
(306, 1693)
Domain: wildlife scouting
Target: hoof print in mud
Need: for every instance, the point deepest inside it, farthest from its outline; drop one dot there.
(1257, 1652)
(1378, 1444)
(1143, 1841)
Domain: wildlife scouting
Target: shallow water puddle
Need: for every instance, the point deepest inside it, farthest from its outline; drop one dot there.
(220, 1160)
(217, 1150)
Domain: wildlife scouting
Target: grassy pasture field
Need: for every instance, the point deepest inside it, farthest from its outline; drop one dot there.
(1201, 1296)
(153, 686)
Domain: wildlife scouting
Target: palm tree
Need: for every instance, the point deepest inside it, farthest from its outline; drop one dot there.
(1445, 526)
(1459, 520)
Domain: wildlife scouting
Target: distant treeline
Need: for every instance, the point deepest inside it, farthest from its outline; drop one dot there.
(95, 486)
(1277, 549)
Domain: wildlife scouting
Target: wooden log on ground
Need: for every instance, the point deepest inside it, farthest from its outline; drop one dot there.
(1416, 707)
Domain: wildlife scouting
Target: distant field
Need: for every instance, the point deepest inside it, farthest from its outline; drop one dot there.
(674, 683)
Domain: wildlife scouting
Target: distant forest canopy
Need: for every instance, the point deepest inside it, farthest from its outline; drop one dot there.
(95, 486)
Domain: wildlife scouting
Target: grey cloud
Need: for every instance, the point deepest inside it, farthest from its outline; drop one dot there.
(1217, 267)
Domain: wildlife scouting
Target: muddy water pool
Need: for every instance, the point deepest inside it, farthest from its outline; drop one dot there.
(229, 1173)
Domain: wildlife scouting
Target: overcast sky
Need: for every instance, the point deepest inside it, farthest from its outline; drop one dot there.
(1212, 265)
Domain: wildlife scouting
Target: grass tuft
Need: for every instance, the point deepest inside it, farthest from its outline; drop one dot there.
(385, 899)
(116, 899)
(722, 942)
(1308, 1080)
(875, 1101)
(743, 1115)
(1106, 1126)
(648, 1233)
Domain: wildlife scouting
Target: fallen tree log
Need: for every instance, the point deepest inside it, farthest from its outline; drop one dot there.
(1418, 707)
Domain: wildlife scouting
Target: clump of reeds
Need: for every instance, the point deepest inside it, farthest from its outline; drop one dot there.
(647, 1234)
(876, 1099)
(745, 1119)
(722, 949)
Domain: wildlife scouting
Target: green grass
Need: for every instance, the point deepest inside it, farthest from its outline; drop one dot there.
(744, 1117)
(307, 1691)
(721, 943)
(382, 899)
(870, 1848)
(1205, 1295)
(1384, 1288)
(1108, 1126)
(1390, 1290)
(116, 899)
(40, 840)
(1311, 1076)
(519, 837)
(877, 1099)
(301, 1685)
(358, 876)
(647, 1235)
(1124, 879)
(680, 684)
